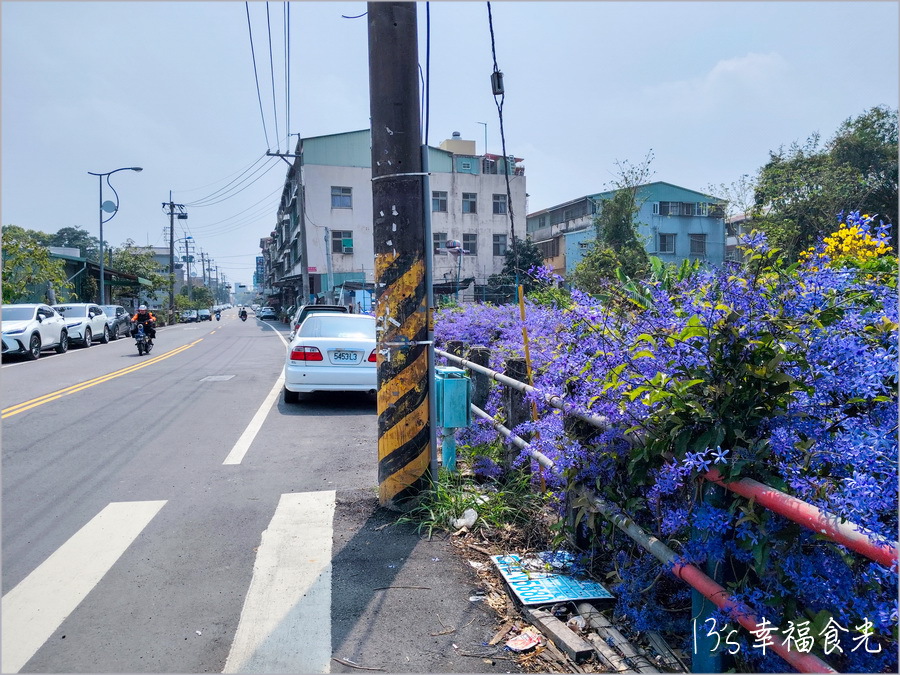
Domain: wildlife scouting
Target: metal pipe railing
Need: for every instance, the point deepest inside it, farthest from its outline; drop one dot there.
(690, 574)
(852, 536)
(552, 400)
(846, 533)
(519, 442)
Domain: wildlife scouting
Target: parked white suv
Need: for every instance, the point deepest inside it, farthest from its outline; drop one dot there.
(85, 322)
(29, 328)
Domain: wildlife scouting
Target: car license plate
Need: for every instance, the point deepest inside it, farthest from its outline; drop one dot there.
(340, 356)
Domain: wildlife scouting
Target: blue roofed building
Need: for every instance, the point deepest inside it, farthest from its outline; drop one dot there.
(674, 223)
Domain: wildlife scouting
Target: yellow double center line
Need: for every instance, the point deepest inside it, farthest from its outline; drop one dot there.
(41, 400)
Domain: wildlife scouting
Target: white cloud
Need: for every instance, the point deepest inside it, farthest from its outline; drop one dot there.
(727, 83)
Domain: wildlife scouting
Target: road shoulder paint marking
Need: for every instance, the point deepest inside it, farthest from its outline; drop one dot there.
(38, 605)
(41, 400)
(236, 456)
(290, 592)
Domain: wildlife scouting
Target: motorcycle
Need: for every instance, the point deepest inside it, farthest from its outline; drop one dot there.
(243, 316)
(143, 342)
(218, 316)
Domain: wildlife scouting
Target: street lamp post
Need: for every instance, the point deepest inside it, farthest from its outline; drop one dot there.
(111, 208)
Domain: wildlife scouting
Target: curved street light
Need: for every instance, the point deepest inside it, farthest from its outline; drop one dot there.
(111, 208)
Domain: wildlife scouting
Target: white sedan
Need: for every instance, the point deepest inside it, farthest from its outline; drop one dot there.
(27, 329)
(331, 352)
(85, 322)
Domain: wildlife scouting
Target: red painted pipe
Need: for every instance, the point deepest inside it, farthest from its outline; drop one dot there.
(860, 540)
(805, 663)
(696, 579)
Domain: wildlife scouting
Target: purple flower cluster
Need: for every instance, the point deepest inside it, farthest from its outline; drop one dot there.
(816, 349)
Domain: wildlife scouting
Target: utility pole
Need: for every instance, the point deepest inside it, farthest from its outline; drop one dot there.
(202, 268)
(402, 303)
(171, 259)
(187, 251)
(181, 216)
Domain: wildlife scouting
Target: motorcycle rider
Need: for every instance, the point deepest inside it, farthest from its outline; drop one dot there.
(145, 316)
(243, 313)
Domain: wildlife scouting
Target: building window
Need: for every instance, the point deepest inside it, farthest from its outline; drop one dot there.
(439, 201)
(439, 241)
(702, 209)
(500, 204)
(655, 208)
(470, 243)
(499, 244)
(674, 208)
(466, 165)
(666, 243)
(341, 241)
(698, 244)
(687, 209)
(542, 221)
(549, 248)
(341, 197)
(469, 202)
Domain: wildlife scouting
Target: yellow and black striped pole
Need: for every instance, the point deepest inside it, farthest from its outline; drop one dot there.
(401, 301)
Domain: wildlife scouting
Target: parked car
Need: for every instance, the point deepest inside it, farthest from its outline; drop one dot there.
(189, 315)
(85, 322)
(29, 328)
(331, 352)
(267, 313)
(305, 310)
(204, 315)
(118, 319)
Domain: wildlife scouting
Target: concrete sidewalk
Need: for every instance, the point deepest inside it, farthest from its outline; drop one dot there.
(401, 602)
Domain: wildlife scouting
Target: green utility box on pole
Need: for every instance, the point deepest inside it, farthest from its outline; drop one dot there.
(453, 401)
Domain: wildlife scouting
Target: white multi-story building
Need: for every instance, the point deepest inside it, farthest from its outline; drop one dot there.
(468, 204)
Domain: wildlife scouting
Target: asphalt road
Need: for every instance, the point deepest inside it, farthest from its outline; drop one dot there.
(170, 513)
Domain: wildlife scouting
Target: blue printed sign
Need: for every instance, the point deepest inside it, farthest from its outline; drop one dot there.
(544, 587)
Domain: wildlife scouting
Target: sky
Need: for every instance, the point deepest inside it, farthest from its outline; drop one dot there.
(709, 87)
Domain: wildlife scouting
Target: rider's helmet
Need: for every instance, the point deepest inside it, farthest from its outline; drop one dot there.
(142, 308)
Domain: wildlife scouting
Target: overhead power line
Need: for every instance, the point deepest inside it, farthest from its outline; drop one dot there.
(215, 182)
(218, 199)
(256, 75)
(272, 70)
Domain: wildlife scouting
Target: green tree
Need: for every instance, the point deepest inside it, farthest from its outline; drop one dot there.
(800, 191)
(140, 262)
(617, 245)
(503, 286)
(203, 297)
(76, 237)
(868, 143)
(28, 266)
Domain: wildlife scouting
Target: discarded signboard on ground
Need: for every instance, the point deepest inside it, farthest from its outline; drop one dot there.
(541, 584)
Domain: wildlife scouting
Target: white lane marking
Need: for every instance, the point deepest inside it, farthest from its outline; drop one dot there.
(236, 456)
(285, 624)
(36, 607)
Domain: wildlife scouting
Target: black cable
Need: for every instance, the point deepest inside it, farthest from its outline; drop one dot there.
(509, 205)
(202, 187)
(421, 98)
(427, 67)
(256, 74)
(343, 16)
(272, 67)
(218, 194)
(287, 78)
(237, 192)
